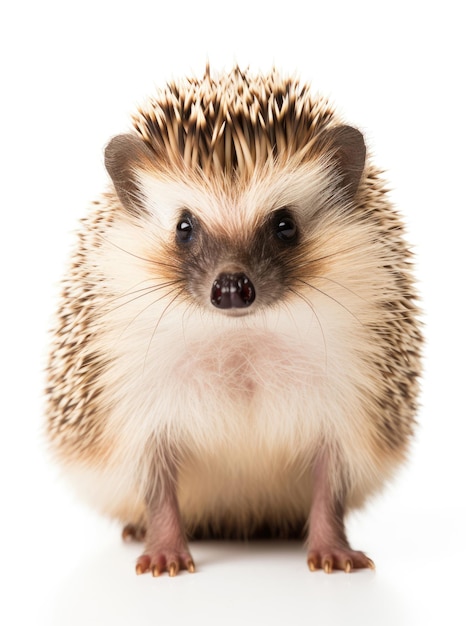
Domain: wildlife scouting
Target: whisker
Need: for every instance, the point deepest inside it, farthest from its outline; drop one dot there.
(313, 309)
(132, 289)
(189, 306)
(290, 312)
(145, 308)
(392, 315)
(168, 305)
(332, 254)
(331, 298)
(141, 258)
(145, 291)
(335, 282)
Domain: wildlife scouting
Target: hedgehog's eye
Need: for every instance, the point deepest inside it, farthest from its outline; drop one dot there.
(184, 229)
(285, 226)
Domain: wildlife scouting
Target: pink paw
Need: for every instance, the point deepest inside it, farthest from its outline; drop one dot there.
(167, 560)
(336, 558)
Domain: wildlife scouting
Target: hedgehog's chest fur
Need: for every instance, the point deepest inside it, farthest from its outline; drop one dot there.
(225, 382)
(243, 408)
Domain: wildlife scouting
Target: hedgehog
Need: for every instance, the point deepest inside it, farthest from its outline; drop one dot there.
(237, 347)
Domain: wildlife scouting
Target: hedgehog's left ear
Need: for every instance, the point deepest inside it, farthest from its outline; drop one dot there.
(347, 150)
(124, 156)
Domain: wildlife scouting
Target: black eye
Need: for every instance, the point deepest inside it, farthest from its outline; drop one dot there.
(285, 227)
(184, 229)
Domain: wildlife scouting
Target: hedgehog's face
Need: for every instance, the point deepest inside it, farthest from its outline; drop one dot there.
(230, 244)
(237, 270)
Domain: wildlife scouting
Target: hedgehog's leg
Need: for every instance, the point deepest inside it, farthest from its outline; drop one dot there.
(166, 545)
(328, 547)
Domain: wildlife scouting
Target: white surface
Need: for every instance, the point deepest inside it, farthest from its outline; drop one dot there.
(70, 78)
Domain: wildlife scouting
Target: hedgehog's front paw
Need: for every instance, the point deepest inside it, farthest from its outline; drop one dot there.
(330, 558)
(165, 559)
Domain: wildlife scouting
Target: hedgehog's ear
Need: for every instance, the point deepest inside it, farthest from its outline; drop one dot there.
(124, 156)
(346, 146)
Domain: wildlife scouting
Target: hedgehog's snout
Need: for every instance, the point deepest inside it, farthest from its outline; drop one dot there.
(232, 291)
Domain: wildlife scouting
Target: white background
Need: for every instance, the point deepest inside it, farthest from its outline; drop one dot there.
(70, 76)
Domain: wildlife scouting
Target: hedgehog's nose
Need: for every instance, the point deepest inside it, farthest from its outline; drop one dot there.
(232, 291)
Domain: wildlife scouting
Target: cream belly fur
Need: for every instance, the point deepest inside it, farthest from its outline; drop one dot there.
(249, 412)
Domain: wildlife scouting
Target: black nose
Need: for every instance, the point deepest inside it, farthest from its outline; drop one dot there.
(232, 291)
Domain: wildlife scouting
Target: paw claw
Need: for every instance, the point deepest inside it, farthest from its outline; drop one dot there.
(173, 569)
(338, 558)
(161, 561)
(142, 565)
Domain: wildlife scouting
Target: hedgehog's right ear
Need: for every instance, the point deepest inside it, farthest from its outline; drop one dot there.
(124, 156)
